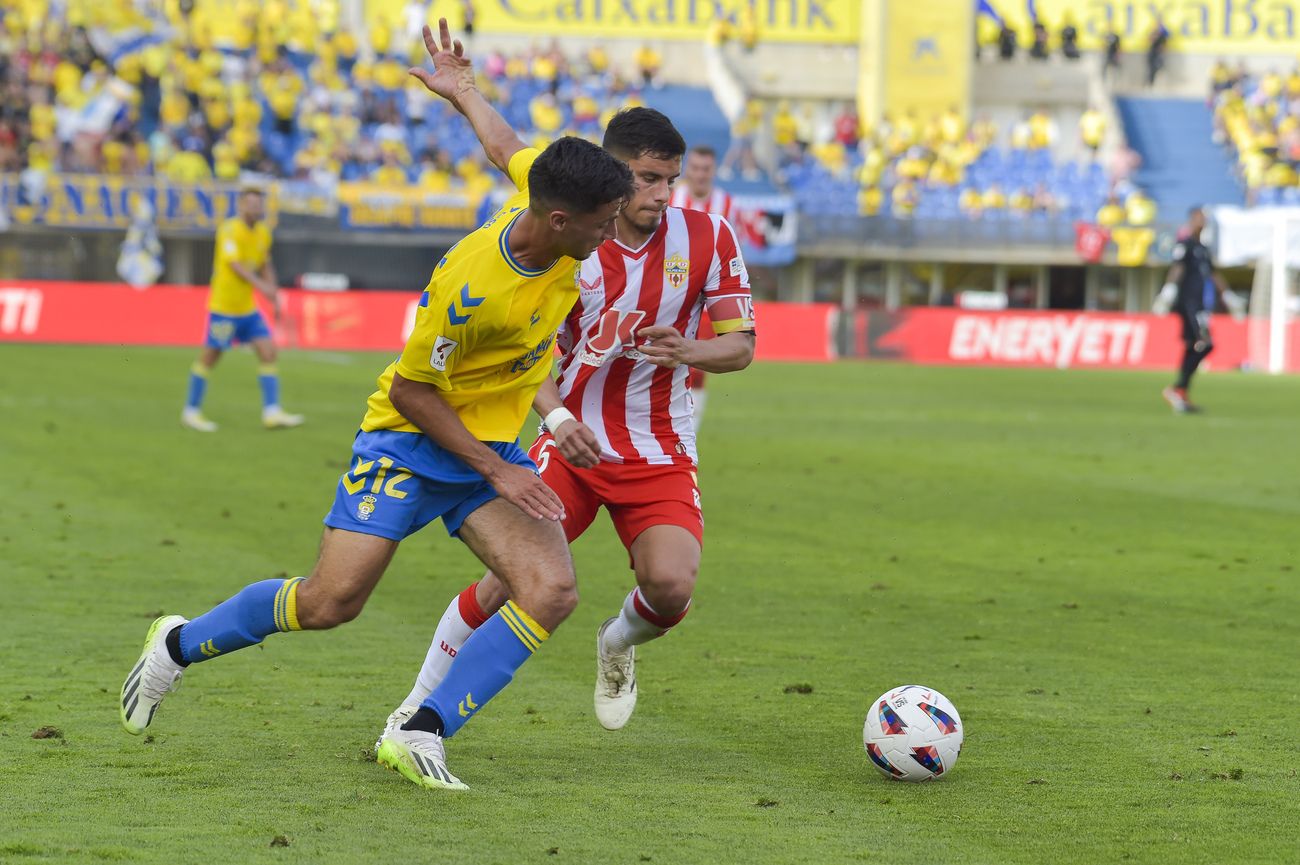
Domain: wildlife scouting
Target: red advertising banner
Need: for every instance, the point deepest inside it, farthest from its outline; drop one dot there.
(1045, 338)
(112, 314)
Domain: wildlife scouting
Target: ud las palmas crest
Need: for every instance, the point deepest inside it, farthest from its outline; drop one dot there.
(676, 268)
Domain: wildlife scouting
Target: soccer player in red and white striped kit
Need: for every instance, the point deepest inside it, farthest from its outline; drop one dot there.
(617, 427)
(699, 192)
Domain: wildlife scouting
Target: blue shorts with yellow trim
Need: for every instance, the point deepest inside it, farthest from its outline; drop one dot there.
(400, 482)
(226, 330)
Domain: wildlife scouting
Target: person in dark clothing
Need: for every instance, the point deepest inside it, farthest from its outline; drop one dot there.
(1070, 40)
(1038, 49)
(1157, 45)
(1192, 290)
(1007, 42)
(1111, 65)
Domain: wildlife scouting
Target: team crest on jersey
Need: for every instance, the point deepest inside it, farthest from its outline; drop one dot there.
(676, 269)
(366, 507)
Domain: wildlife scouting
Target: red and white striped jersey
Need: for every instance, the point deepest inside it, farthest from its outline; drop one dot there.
(719, 202)
(641, 413)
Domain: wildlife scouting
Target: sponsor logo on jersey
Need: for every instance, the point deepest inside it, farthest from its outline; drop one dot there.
(615, 336)
(527, 361)
(442, 349)
(366, 507)
(676, 268)
(590, 287)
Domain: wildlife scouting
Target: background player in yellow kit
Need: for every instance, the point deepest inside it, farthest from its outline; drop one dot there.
(241, 263)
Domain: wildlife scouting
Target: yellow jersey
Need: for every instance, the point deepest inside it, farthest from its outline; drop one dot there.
(231, 294)
(485, 328)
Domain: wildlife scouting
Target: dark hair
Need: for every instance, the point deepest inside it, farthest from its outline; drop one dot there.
(636, 132)
(704, 150)
(574, 174)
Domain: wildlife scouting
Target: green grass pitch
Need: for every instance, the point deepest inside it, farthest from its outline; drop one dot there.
(1106, 591)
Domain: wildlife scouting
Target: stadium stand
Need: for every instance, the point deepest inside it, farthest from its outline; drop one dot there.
(945, 169)
(1255, 124)
(1174, 140)
(175, 105)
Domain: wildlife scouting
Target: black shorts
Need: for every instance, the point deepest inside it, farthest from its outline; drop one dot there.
(1196, 327)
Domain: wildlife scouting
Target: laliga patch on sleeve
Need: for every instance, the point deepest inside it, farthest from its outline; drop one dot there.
(230, 247)
(442, 349)
(738, 267)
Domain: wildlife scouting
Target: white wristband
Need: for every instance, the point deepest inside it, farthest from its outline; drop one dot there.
(556, 417)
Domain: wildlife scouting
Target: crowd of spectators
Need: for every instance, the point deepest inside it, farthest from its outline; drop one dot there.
(1258, 118)
(949, 168)
(294, 95)
(291, 95)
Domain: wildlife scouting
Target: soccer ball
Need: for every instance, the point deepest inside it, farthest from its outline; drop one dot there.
(913, 733)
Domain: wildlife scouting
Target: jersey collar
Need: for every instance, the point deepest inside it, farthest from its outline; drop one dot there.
(504, 243)
(641, 250)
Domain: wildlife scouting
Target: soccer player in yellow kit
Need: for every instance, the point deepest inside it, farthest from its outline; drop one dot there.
(440, 439)
(242, 262)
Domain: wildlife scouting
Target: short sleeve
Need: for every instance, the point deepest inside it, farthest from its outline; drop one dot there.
(436, 344)
(227, 243)
(726, 294)
(519, 165)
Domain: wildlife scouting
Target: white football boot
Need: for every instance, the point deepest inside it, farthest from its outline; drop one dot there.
(615, 683)
(419, 757)
(278, 418)
(192, 418)
(400, 716)
(154, 676)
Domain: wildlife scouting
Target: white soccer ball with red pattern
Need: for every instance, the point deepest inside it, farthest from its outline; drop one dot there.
(913, 733)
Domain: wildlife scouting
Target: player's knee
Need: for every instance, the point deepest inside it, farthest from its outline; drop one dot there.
(668, 591)
(670, 596)
(548, 598)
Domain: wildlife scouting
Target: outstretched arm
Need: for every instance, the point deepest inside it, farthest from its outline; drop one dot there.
(1235, 303)
(453, 79)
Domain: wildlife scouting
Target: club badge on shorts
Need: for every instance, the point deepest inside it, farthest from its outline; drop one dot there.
(366, 507)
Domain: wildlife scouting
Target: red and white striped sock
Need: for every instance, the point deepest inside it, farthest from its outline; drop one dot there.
(638, 623)
(462, 618)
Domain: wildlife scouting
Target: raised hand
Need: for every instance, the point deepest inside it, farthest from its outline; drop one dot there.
(453, 73)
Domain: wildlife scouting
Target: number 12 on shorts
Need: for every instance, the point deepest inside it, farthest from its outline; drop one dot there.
(355, 480)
